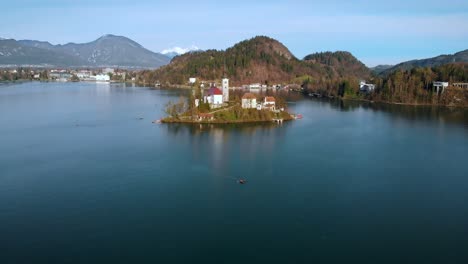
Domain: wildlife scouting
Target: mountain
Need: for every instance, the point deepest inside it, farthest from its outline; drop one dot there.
(257, 60)
(461, 56)
(380, 68)
(108, 50)
(13, 53)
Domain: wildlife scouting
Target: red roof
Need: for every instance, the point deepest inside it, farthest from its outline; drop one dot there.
(249, 96)
(269, 99)
(214, 91)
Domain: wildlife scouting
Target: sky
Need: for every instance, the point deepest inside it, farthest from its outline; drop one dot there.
(376, 32)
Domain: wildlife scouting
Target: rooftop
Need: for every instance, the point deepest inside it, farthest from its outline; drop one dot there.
(249, 96)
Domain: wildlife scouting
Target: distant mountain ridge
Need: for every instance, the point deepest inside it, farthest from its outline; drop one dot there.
(461, 56)
(108, 50)
(380, 68)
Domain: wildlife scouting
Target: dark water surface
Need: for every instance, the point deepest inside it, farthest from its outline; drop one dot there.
(83, 180)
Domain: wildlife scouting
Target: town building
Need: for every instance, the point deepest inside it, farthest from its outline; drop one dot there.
(214, 97)
(83, 75)
(439, 87)
(249, 100)
(108, 70)
(269, 103)
(102, 78)
(225, 86)
(60, 76)
(192, 80)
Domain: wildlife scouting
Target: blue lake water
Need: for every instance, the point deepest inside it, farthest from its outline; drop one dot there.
(84, 180)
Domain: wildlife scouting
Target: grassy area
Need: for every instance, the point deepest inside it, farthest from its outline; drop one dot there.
(234, 114)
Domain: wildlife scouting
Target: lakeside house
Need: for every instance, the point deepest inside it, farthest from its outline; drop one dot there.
(461, 85)
(249, 100)
(102, 78)
(439, 87)
(84, 75)
(366, 87)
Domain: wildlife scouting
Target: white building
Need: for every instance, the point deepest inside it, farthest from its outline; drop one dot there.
(102, 78)
(366, 87)
(83, 75)
(249, 100)
(214, 97)
(225, 86)
(440, 86)
(192, 80)
(269, 102)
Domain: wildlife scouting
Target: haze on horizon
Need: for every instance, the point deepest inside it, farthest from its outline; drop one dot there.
(375, 32)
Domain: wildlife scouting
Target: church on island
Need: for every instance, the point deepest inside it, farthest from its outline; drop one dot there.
(217, 97)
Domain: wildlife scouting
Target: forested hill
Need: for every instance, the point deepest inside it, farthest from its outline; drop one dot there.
(257, 60)
(458, 57)
(415, 86)
(340, 63)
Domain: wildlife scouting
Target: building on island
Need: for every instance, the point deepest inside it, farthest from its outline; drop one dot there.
(366, 87)
(205, 117)
(249, 100)
(214, 97)
(192, 80)
(225, 86)
(269, 103)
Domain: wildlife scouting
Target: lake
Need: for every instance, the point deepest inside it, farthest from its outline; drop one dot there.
(85, 176)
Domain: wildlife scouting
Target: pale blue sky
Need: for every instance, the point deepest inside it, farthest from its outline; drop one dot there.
(376, 32)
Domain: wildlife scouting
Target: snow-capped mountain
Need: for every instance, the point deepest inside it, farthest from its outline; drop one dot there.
(175, 51)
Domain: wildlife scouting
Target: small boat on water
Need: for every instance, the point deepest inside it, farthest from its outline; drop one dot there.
(242, 181)
(157, 121)
(298, 116)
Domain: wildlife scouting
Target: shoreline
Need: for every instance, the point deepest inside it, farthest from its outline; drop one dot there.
(402, 104)
(220, 122)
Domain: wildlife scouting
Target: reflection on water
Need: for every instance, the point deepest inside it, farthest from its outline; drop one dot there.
(224, 148)
(422, 113)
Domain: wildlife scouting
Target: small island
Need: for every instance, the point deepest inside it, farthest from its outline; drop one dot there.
(217, 106)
